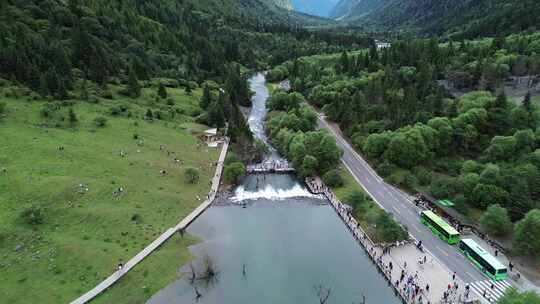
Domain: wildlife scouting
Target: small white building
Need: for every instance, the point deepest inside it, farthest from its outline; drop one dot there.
(382, 45)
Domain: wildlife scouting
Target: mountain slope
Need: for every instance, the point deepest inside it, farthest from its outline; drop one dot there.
(353, 9)
(315, 7)
(286, 4)
(465, 18)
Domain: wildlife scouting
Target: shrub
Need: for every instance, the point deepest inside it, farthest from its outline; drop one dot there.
(234, 172)
(410, 181)
(356, 199)
(231, 158)
(2, 107)
(332, 178)
(496, 220)
(100, 121)
(116, 111)
(527, 233)
(444, 187)
(423, 176)
(388, 230)
(385, 169)
(32, 215)
(72, 117)
(192, 175)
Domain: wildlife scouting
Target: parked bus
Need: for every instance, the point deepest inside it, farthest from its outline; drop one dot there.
(439, 227)
(483, 260)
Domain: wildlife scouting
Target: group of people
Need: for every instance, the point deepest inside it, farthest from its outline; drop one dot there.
(407, 285)
(270, 165)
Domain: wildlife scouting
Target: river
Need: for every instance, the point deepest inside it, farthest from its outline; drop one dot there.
(275, 243)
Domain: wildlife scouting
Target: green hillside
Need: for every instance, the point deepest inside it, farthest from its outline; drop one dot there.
(64, 223)
(461, 18)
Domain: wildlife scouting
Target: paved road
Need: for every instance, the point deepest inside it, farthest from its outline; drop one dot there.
(401, 206)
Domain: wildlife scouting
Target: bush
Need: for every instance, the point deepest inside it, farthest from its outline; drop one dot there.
(231, 158)
(388, 230)
(234, 172)
(100, 121)
(385, 169)
(192, 175)
(32, 215)
(2, 107)
(332, 178)
(444, 187)
(527, 234)
(423, 175)
(410, 181)
(496, 220)
(356, 199)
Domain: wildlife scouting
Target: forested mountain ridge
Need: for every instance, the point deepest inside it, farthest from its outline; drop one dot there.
(47, 45)
(353, 9)
(286, 4)
(461, 18)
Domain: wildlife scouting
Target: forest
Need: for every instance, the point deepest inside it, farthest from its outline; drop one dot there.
(434, 117)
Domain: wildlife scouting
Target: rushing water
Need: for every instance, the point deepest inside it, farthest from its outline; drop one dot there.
(274, 243)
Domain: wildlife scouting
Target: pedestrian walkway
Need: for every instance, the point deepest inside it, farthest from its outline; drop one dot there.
(415, 275)
(101, 287)
(491, 290)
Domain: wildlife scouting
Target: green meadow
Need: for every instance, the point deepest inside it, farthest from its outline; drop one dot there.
(64, 222)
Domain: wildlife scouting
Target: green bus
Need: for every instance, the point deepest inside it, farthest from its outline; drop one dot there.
(489, 265)
(439, 227)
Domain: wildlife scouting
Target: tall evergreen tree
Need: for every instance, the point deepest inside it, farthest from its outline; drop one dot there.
(162, 91)
(134, 88)
(206, 98)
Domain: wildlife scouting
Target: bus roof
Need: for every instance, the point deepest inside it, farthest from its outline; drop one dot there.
(437, 219)
(484, 254)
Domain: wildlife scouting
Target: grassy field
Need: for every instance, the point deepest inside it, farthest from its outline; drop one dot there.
(69, 173)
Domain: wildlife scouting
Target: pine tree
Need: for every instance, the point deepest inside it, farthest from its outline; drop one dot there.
(72, 117)
(134, 88)
(344, 63)
(501, 101)
(206, 98)
(216, 116)
(162, 91)
(527, 102)
(149, 115)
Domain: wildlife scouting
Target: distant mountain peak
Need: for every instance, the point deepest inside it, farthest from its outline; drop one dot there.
(286, 4)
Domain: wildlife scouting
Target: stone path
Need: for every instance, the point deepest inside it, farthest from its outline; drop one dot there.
(101, 287)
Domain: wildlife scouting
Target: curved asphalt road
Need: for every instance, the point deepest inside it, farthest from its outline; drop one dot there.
(402, 207)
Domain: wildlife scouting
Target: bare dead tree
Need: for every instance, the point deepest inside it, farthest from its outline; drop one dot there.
(198, 295)
(363, 300)
(322, 293)
(192, 273)
(244, 273)
(209, 267)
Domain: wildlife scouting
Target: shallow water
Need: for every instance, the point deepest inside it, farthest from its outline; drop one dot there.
(286, 247)
(273, 243)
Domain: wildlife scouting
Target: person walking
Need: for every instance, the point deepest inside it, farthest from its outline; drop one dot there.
(454, 276)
